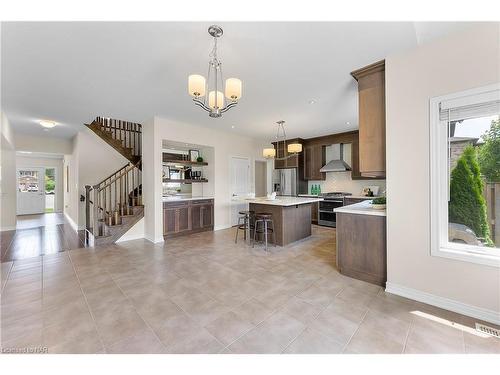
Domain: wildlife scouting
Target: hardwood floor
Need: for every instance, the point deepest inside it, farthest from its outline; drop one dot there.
(38, 235)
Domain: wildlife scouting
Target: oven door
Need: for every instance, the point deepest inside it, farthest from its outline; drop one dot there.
(327, 216)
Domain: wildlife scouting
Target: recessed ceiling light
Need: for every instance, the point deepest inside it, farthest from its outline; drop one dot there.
(232, 126)
(312, 101)
(47, 123)
(348, 123)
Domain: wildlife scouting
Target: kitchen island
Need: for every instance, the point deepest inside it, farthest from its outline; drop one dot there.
(291, 216)
(361, 242)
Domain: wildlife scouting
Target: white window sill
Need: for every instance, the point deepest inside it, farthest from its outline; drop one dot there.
(467, 255)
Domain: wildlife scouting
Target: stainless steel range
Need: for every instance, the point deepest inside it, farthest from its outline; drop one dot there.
(327, 216)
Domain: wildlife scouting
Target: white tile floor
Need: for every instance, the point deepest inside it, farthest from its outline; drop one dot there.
(204, 294)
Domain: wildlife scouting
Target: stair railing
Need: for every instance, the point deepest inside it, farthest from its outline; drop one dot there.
(129, 133)
(112, 198)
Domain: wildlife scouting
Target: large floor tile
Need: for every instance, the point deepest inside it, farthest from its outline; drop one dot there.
(379, 334)
(228, 327)
(205, 294)
(116, 324)
(142, 343)
(199, 343)
(312, 341)
(430, 336)
(270, 337)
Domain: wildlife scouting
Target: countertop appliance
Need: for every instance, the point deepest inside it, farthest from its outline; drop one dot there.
(330, 202)
(287, 182)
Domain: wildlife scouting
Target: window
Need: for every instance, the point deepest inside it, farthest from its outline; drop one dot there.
(465, 175)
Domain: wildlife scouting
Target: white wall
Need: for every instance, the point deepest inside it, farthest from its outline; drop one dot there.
(96, 161)
(90, 161)
(36, 161)
(224, 144)
(47, 144)
(70, 180)
(7, 176)
(455, 63)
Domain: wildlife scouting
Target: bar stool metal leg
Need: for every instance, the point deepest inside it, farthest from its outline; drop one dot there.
(245, 222)
(237, 230)
(255, 232)
(265, 232)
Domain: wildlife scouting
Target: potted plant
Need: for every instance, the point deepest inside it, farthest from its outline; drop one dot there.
(199, 159)
(379, 203)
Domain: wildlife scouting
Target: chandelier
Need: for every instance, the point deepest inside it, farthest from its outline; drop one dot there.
(198, 87)
(292, 148)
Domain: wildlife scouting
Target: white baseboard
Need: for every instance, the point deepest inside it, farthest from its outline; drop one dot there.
(5, 229)
(71, 222)
(220, 227)
(444, 303)
(154, 240)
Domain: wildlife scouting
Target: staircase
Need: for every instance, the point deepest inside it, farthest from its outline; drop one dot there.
(114, 205)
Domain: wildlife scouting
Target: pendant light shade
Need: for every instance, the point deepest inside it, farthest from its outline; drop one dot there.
(211, 100)
(269, 153)
(294, 148)
(196, 85)
(233, 89)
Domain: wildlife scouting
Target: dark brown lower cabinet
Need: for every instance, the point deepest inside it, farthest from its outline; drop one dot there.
(186, 217)
(314, 212)
(361, 247)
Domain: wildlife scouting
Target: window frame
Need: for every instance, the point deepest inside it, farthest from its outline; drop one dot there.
(440, 246)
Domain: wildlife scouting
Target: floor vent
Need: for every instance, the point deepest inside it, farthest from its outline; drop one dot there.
(495, 332)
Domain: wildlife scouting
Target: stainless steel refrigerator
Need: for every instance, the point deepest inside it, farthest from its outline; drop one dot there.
(287, 182)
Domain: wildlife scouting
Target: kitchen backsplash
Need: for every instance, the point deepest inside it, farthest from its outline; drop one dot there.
(341, 181)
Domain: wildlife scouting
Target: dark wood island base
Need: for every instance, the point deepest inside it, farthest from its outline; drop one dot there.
(291, 223)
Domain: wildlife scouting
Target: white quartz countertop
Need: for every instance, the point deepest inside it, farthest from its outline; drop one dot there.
(283, 201)
(361, 208)
(183, 198)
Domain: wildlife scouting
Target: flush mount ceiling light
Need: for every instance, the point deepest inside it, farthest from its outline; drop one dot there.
(292, 148)
(47, 123)
(206, 92)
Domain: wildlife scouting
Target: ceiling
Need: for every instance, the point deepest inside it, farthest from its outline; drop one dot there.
(71, 72)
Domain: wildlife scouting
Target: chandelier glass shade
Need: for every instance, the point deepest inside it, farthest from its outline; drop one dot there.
(269, 153)
(292, 148)
(211, 94)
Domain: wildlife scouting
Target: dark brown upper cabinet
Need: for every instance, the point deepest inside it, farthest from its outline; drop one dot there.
(314, 159)
(371, 90)
(293, 161)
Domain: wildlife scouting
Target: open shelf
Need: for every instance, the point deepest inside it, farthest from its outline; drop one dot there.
(185, 181)
(183, 162)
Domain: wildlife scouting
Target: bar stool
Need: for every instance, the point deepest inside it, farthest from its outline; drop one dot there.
(246, 216)
(266, 227)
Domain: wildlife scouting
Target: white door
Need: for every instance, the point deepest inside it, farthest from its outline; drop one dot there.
(240, 186)
(30, 191)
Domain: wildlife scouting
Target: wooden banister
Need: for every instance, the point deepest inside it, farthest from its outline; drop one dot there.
(116, 195)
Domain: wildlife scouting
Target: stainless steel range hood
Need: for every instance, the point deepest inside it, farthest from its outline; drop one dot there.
(337, 164)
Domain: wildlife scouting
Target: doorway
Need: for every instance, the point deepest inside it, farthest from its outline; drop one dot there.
(240, 185)
(30, 191)
(260, 178)
(50, 190)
